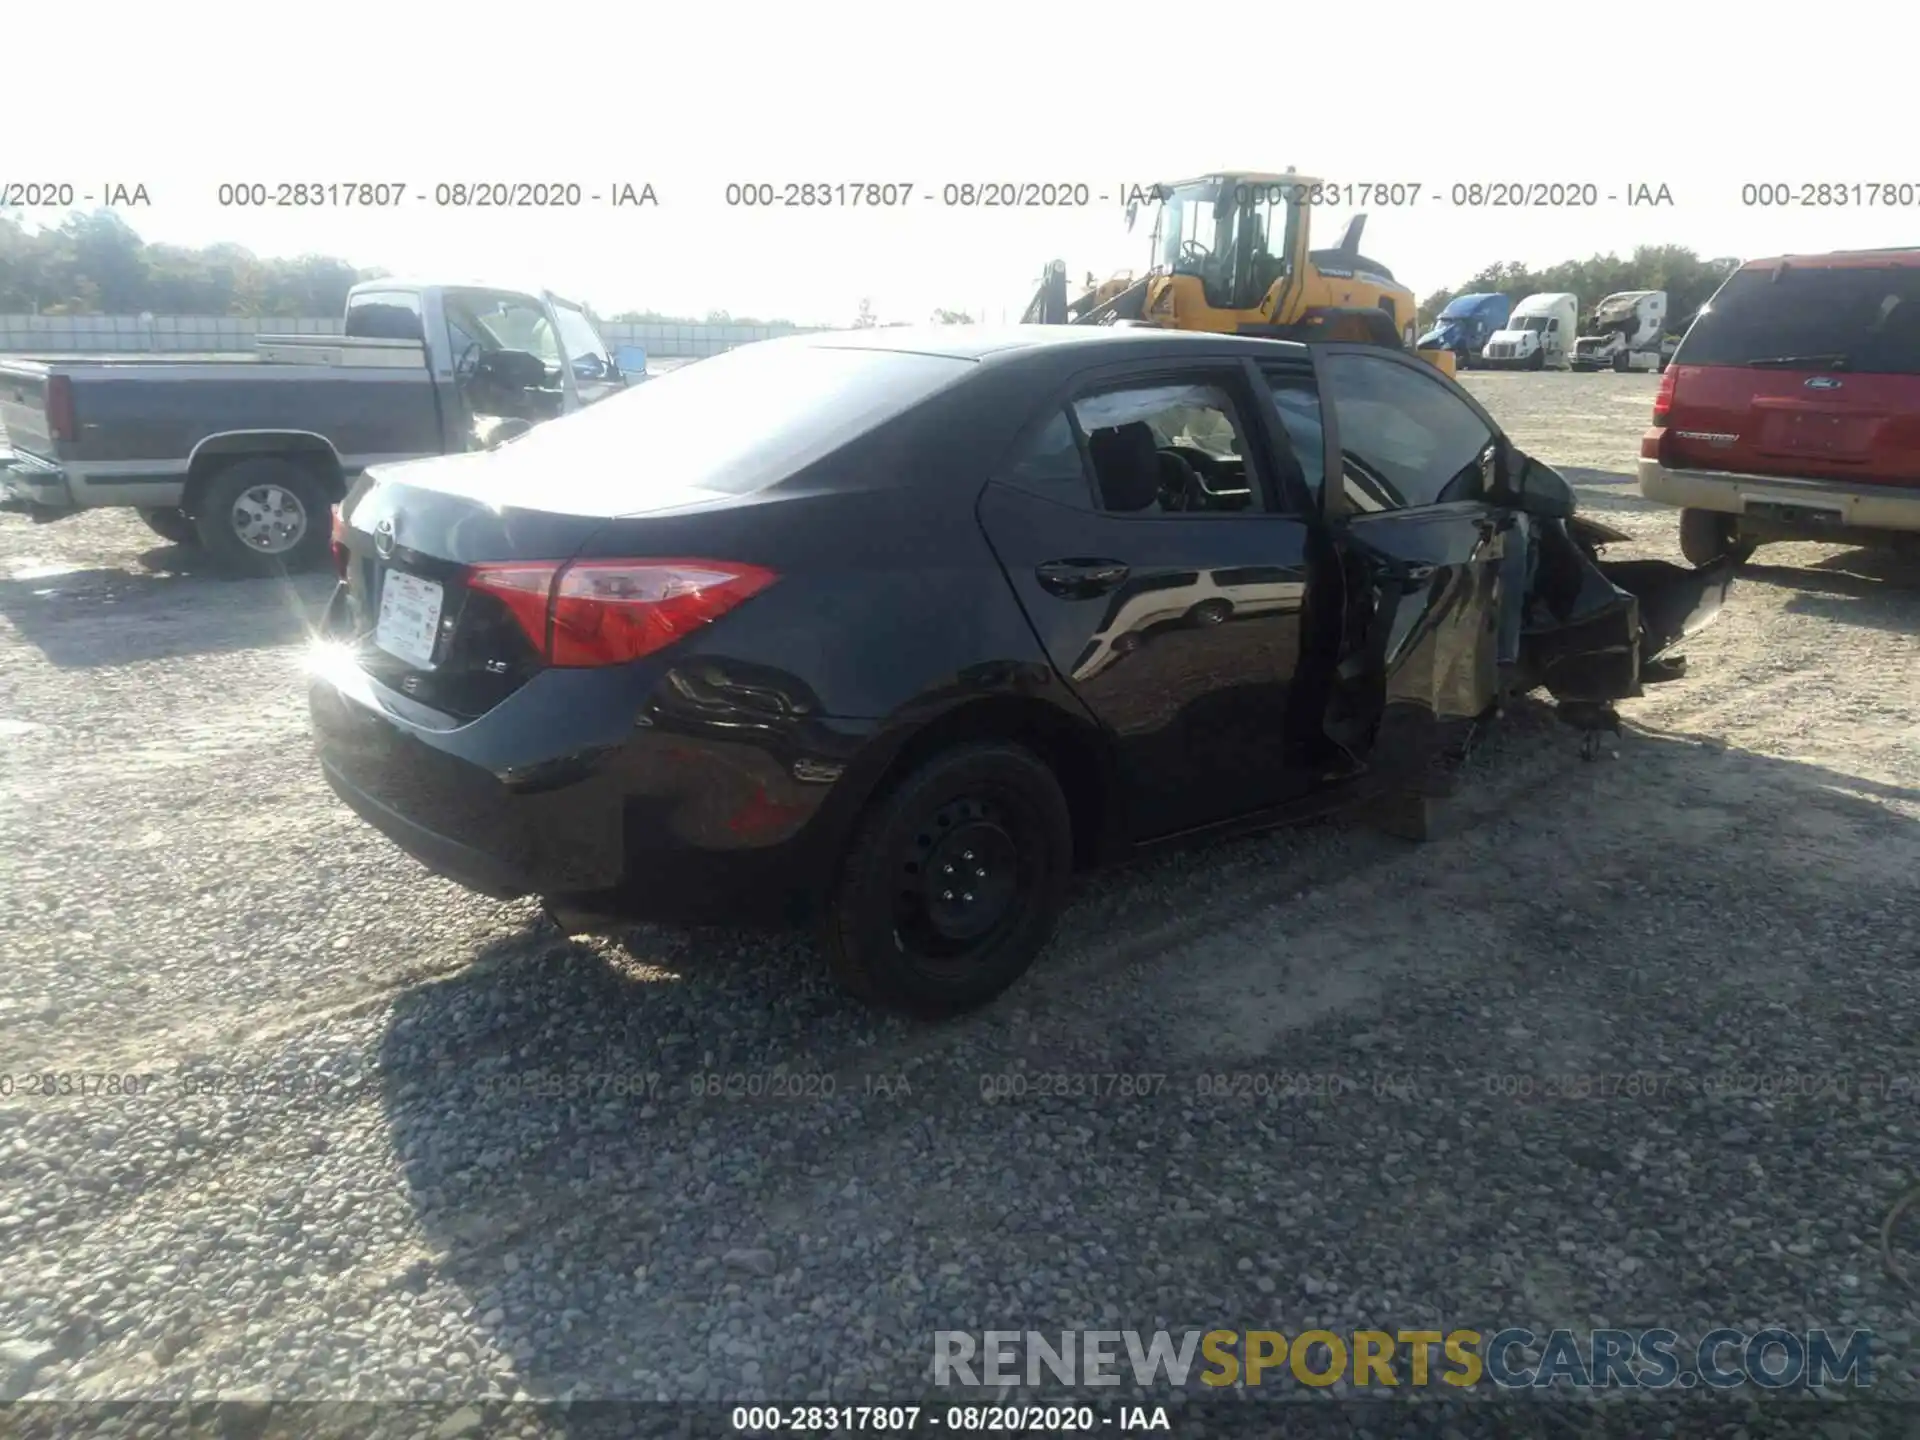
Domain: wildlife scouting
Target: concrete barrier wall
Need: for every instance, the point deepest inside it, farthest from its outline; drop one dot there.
(59, 334)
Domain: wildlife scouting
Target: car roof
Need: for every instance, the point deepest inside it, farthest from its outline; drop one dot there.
(456, 283)
(984, 342)
(1896, 257)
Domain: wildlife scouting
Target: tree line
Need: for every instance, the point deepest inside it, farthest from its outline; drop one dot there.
(1688, 280)
(95, 264)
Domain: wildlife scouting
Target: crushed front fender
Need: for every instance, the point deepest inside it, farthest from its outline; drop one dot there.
(1594, 626)
(1675, 600)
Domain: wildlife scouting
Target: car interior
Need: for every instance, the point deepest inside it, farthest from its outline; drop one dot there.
(1162, 464)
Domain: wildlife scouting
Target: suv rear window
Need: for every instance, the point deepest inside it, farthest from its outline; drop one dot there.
(1855, 318)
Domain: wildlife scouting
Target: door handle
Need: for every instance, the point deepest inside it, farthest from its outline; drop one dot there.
(1419, 574)
(1080, 579)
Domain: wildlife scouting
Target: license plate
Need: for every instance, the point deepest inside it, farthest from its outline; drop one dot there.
(409, 618)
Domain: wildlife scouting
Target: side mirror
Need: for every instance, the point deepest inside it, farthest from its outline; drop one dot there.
(1534, 488)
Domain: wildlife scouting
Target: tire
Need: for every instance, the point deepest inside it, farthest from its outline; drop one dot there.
(1538, 360)
(1707, 536)
(171, 524)
(890, 936)
(275, 491)
(1620, 363)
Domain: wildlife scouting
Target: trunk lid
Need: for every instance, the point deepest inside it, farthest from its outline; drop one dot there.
(23, 408)
(413, 537)
(408, 546)
(1807, 369)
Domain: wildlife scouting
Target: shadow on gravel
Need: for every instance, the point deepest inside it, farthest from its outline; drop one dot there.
(662, 1168)
(87, 618)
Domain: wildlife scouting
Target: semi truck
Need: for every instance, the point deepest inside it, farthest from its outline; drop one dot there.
(1538, 335)
(1466, 325)
(246, 457)
(1627, 331)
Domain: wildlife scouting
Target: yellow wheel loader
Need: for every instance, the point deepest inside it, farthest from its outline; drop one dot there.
(1231, 255)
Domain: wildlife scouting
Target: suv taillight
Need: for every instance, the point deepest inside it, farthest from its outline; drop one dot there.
(61, 422)
(607, 612)
(1663, 397)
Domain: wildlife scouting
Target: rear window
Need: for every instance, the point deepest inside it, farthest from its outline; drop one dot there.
(737, 422)
(384, 315)
(1860, 319)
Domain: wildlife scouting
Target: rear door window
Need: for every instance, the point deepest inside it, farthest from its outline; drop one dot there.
(1855, 318)
(738, 421)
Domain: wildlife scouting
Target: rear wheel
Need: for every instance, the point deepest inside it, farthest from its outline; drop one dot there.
(953, 883)
(263, 516)
(171, 524)
(1707, 536)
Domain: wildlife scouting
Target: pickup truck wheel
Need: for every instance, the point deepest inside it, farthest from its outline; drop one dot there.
(1708, 535)
(263, 516)
(171, 524)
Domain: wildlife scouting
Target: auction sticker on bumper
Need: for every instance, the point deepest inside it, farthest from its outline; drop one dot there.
(409, 617)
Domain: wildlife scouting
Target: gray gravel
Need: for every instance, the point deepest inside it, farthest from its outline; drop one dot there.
(481, 1168)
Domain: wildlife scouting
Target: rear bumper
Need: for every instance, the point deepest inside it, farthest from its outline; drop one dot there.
(29, 486)
(1767, 503)
(570, 788)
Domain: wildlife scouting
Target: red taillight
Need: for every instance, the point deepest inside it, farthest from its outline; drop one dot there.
(339, 543)
(61, 424)
(607, 612)
(1663, 397)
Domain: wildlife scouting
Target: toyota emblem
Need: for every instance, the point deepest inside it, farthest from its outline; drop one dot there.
(383, 538)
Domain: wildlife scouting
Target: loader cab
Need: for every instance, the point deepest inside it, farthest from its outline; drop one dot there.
(1235, 234)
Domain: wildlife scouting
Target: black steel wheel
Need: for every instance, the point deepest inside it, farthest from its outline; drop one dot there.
(954, 882)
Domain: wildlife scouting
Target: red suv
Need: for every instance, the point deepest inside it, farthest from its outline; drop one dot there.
(1792, 410)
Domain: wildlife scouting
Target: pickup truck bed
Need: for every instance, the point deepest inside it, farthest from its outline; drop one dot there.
(139, 423)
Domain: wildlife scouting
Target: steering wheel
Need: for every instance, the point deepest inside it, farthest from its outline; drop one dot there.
(1194, 250)
(1180, 487)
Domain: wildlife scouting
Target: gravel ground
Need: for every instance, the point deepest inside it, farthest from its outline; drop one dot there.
(487, 1170)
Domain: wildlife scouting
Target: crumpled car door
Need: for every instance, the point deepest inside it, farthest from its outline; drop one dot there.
(1420, 629)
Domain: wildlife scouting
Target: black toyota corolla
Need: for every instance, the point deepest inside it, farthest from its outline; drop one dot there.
(894, 629)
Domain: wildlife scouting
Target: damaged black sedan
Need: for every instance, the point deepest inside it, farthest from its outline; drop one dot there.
(892, 631)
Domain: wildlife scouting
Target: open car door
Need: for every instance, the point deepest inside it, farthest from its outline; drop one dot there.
(1415, 555)
(1422, 498)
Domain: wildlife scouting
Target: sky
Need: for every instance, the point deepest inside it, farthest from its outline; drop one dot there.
(1701, 99)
